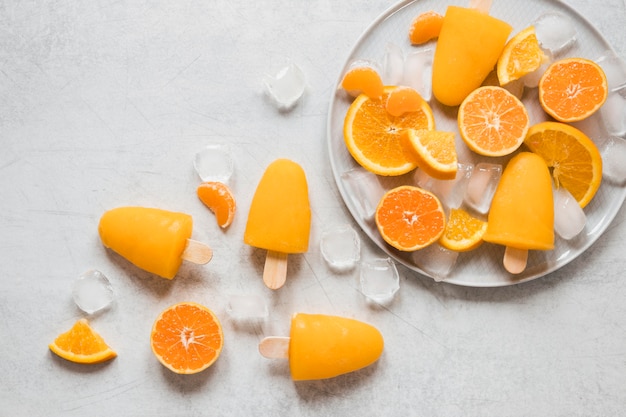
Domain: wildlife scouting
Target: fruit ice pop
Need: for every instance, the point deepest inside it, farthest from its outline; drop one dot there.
(152, 239)
(280, 217)
(321, 346)
(522, 213)
(469, 45)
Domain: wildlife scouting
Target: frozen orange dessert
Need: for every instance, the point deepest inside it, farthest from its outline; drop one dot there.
(522, 213)
(150, 238)
(280, 215)
(470, 43)
(321, 346)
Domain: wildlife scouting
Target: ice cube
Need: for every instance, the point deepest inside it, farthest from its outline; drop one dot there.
(286, 87)
(482, 185)
(569, 217)
(341, 247)
(247, 307)
(393, 65)
(555, 32)
(614, 68)
(379, 279)
(92, 291)
(214, 163)
(613, 112)
(436, 261)
(613, 156)
(452, 192)
(418, 69)
(364, 189)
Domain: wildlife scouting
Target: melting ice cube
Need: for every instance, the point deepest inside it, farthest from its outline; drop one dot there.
(449, 192)
(286, 87)
(555, 32)
(341, 247)
(482, 185)
(214, 163)
(436, 261)
(569, 217)
(418, 70)
(613, 156)
(247, 307)
(614, 68)
(379, 279)
(393, 65)
(613, 112)
(92, 291)
(365, 190)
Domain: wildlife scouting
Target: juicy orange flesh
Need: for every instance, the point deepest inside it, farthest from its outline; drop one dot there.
(374, 137)
(572, 89)
(187, 338)
(440, 145)
(219, 199)
(525, 56)
(425, 27)
(571, 161)
(494, 120)
(363, 79)
(82, 344)
(463, 230)
(410, 218)
(403, 100)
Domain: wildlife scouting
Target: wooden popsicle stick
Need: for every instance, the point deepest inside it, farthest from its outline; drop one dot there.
(515, 260)
(275, 270)
(197, 252)
(274, 347)
(481, 5)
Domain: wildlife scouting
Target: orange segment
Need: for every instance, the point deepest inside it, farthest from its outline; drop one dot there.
(492, 121)
(81, 344)
(463, 232)
(572, 89)
(220, 200)
(435, 151)
(521, 55)
(374, 137)
(573, 158)
(187, 338)
(410, 218)
(425, 27)
(362, 78)
(403, 100)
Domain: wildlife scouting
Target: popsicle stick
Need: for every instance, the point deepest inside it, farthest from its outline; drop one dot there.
(197, 252)
(481, 5)
(274, 347)
(275, 270)
(515, 260)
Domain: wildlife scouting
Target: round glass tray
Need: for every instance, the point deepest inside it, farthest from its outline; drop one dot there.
(483, 266)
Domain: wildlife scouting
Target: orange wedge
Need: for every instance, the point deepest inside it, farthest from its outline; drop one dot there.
(424, 27)
(403, 100)
(521, 55)
(81, 344)
(492, 121)
(573, 158)
(435, 151)
(374, 137)
(220, 200)
(362, 78)
(463, 232)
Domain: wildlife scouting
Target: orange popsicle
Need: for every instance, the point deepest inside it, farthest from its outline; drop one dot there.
(322, 346)
(469, 45)
(280, 218)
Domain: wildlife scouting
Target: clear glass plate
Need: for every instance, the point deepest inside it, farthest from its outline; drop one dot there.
(481, 267)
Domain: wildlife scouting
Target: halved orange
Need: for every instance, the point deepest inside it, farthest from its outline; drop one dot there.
(220, 200)
(374, 137)
(187, 338)
(81, 344)
(424, 27)
(492, 121)
(410, 218)
(572, 89)
(435, 151)
(463, 232)
(573, 158)
(403, 100)
(521, 55)
(362, 77)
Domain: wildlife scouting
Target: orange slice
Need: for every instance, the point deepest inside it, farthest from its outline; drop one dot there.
(425, 27)
(403, 100)
(81, 344)
(362, 78)
(435, 151)
(220, 200)
(492, 121)
(410, 218)
(521, 55)
(374, 137)
(187, 338)
(572, 157)
(572, 89)
(463, 231)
